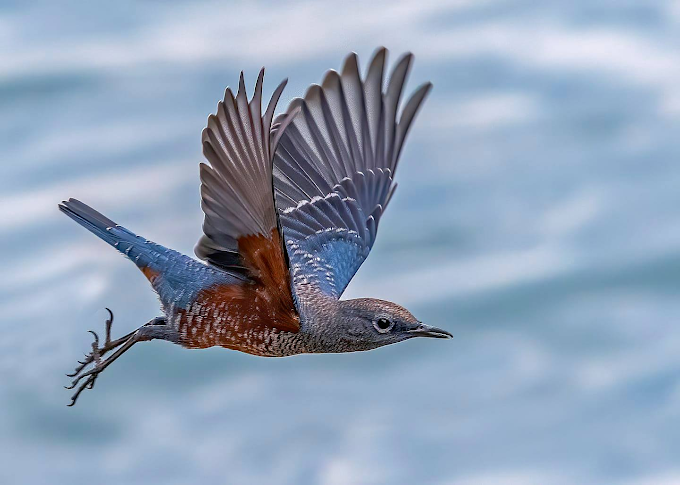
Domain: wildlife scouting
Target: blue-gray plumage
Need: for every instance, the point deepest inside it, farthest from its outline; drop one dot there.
(292, 207)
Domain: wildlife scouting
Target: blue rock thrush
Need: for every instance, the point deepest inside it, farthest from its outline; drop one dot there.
(292, 206)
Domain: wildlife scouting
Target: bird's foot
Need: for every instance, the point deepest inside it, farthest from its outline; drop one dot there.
(98, 352)
(96, 357)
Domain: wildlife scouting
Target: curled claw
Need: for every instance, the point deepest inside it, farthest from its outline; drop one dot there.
(109, 323)
(95, 344)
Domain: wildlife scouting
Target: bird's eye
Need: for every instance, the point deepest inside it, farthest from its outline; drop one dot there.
(382, 325)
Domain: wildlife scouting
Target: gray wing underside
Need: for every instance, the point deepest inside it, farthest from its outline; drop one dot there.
(236, 187)
(334, 168)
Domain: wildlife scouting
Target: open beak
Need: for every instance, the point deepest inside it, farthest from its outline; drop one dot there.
(427, 331)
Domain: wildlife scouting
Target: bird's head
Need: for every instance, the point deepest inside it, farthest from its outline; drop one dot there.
(368, 323)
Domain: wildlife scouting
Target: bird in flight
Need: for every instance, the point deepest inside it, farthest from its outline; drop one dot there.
(292, 207)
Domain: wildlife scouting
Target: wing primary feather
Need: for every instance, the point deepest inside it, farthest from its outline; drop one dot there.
(290, 171)
(305, 158)
(269, 116)
(311, 106)
(394, 89)
(215, 134)
(246, 130)
(332, 108)
(255, 109)
(352, 92)
(336, 145)
(407, 115)
(229, 180)
(295, 178)
(233, 130)
(373, 99)
(281, 127)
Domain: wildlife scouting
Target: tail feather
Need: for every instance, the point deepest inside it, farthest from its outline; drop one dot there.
(142, 252)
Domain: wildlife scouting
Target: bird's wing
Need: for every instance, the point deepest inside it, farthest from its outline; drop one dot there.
(241, 229)
(334, 165)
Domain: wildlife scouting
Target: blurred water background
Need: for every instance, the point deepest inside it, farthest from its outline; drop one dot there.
(537, 219)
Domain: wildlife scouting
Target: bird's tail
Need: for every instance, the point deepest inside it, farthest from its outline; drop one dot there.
(144, 253)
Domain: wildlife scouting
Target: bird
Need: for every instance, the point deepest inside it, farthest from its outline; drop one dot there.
(291, 210)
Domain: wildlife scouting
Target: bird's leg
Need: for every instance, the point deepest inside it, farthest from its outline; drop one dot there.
(155, 328)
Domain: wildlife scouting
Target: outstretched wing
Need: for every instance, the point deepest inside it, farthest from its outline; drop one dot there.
(334, 165)
(241, 233)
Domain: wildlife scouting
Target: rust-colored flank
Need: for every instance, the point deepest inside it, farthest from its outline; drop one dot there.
(245, 316)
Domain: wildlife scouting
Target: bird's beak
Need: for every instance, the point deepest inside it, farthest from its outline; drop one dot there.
(427, 331)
